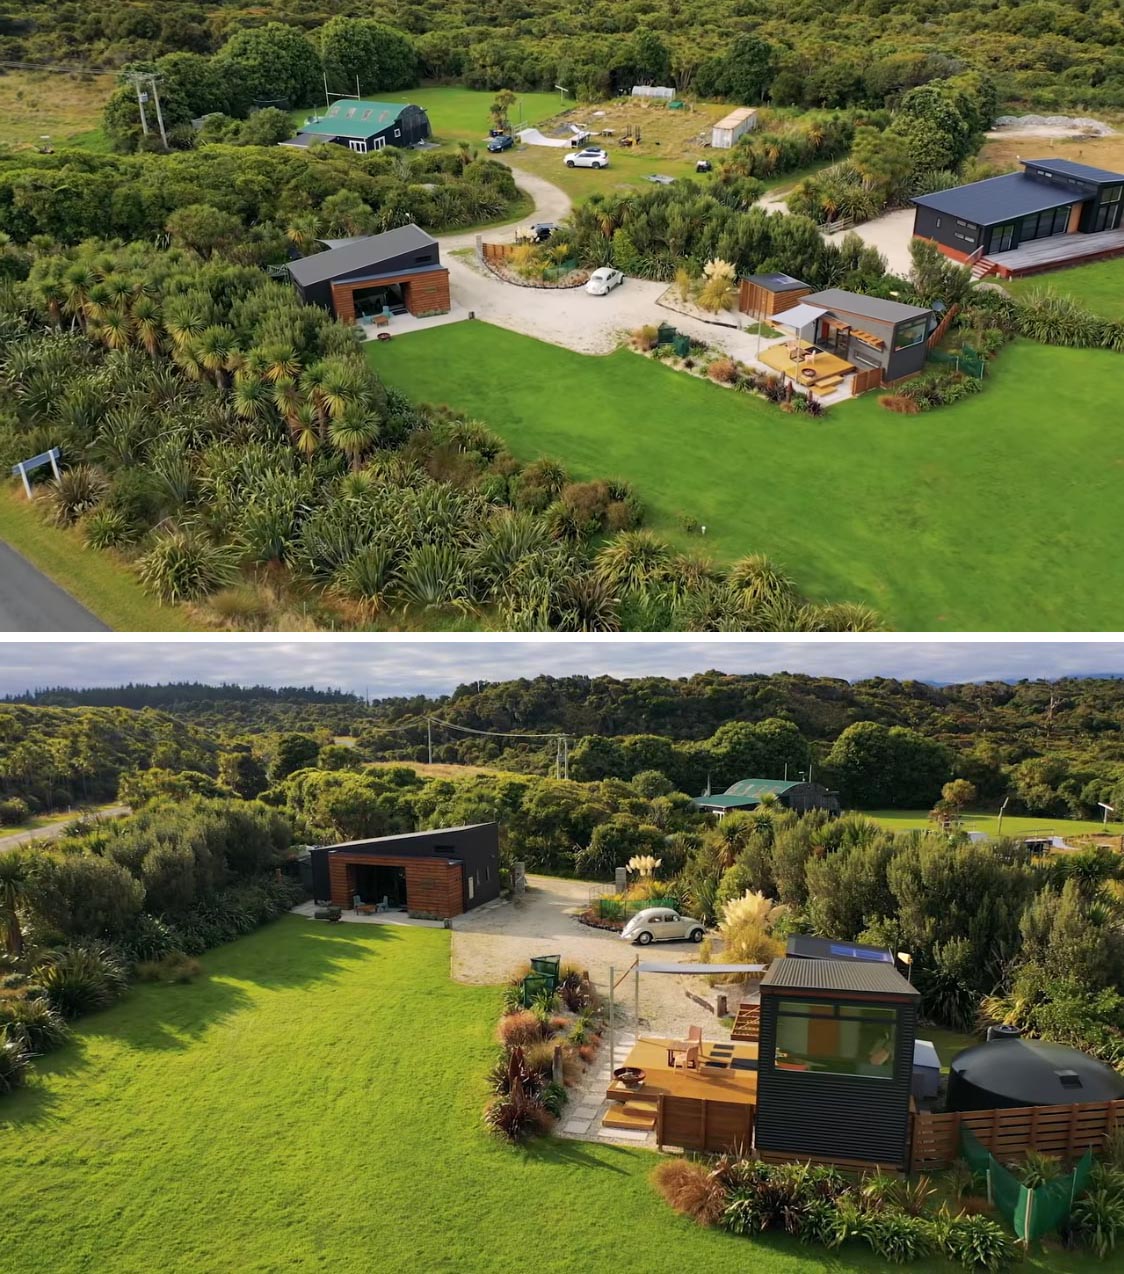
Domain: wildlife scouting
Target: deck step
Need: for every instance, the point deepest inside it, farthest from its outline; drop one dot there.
(747, 1024)
(637, 1115)
(824, 386)
(983, 268)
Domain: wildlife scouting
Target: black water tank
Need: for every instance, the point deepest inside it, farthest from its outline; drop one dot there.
(1018, 1072)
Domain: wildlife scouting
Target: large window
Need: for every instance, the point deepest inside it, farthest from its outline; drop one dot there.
(1041, 225)
(836, 1039)
(912, 333)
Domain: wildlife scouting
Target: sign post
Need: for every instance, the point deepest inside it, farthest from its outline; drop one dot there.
(25, 467)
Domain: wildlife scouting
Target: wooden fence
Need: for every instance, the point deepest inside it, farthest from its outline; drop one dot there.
(1065, 1131)
(938, 333)
(497, 251)
(696, 1123)
(870, 379)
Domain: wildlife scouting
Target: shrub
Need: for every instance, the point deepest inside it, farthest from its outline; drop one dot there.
(107, 528)
(540, 1057)
(554, 1098)
(897, 1237)
(899, 403)
(1097, 1220)
(692, 1190)
(975, 1242)
(173, 967)
(74, 492)
(14, 1061)
(724, 371)
(519, 1029)
(37, 1023)
(79, 980)
(150, 939)
(182, 566)
(1037, 1169)
(517, 1117)
(14, 811)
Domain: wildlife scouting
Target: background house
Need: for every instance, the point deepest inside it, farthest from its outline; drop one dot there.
(400, 271)
(1052, 213)
(438, 873)
(364, 126)
(747, 794)
(835, 1061)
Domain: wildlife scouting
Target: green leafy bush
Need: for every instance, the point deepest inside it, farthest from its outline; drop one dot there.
(39, 1025)
(81, 979)
(1097, 1219)
(182, 565)
(14, 1060)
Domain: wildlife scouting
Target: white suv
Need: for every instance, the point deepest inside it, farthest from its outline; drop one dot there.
(591, 157)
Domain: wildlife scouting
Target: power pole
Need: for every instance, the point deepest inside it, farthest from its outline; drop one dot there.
(429, 737)
(136, 80)
(327, 99)
(159, 113)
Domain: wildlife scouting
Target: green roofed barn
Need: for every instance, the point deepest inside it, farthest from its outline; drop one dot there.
(364, 126)
(748, 794)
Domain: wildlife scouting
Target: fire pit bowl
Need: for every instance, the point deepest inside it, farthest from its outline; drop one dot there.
(629, 1076)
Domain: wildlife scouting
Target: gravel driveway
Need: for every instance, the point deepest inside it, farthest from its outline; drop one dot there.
(489, 944)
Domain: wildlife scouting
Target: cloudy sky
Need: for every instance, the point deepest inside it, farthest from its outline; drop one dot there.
(409, 666)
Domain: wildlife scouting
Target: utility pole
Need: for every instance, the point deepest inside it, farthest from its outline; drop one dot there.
(327, 99)
(429, 736)
(136, 79)
(358, 95)
(159, 113)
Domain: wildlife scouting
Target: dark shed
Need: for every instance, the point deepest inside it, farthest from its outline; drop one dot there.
(1017, 1072)
(835, 1061)
(439, 873)
(747, 794)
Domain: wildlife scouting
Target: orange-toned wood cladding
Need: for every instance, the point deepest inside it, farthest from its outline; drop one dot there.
(426, 293)
(754, 299)
(433, 885)
(953, 254)
(1066, 1131)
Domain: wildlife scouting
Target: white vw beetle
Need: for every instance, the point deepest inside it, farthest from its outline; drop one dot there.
(661, 924)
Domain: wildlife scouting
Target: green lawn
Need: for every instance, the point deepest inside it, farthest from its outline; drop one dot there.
(98, 580)
(1099, 286)
(1000, 513)
(461, 114)
(313, 1104)
(1013, 825)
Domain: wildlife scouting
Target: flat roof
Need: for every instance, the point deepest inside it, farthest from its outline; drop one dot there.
(998, 199)
(792, 974)
(776, 282)
(370, 842)
(872, 307)
(1070, 168)
(359, 254)
(809, 946)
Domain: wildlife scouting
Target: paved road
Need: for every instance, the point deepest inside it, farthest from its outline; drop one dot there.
(31, 603)
(53, 831)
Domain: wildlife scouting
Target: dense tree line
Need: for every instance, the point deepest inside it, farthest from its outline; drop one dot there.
(1050, 53)
(252, 204)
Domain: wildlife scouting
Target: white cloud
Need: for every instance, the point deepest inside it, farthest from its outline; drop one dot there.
(433, 666)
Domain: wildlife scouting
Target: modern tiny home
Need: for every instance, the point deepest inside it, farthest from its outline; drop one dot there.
(439, 873)
(835, 1061)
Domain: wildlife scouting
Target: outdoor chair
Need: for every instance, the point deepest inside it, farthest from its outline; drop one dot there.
(384, 905)
(684, 1056)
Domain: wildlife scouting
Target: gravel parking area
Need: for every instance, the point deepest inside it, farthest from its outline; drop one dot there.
(489, 944)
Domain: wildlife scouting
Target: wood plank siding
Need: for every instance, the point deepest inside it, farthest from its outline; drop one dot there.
(759, 301)
(425, 293)
(434, 886)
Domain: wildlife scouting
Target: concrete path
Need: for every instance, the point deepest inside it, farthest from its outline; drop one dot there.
(52, 831)
(31, 603)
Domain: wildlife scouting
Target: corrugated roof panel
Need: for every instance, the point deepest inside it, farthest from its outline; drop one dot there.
(1071, 168)
(872, 307)
(836, 975)
(758, 787)
(359, 253)
(998, 199)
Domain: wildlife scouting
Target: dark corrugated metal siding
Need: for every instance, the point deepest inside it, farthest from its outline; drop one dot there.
(835, 1116)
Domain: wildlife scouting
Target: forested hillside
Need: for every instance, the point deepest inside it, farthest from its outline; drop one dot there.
(857, 52)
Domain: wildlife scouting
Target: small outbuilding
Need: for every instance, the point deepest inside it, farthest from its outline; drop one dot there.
(835, 1062)
(364, 126)
(399, 271)
(1019, 1072)
(730, 127)
(439, 873)
(747, 794)
(764, 295)
(807, 946)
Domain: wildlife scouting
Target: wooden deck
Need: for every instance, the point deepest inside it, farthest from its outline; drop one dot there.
(1056, 252)
(825, 366)
(720, 1081)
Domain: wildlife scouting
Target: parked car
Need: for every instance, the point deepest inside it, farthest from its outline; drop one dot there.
(591, 157)
(542, 230)
(660, 924)
(504, 141)
(603, 281)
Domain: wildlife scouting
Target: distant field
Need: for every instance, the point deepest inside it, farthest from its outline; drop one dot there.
(904, 820)
(438, 770)
(65, 108)
(460, 114)
(1101, 152)
(1099, 286)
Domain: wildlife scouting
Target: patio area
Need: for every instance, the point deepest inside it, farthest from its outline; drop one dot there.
(350, 916)
(806, 364)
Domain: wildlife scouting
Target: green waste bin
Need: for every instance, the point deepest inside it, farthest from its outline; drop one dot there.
(547, 967)
(666, 334)
(534, 985)
(682, 345)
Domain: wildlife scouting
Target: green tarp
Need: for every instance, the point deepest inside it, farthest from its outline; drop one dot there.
(1031, 1213)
